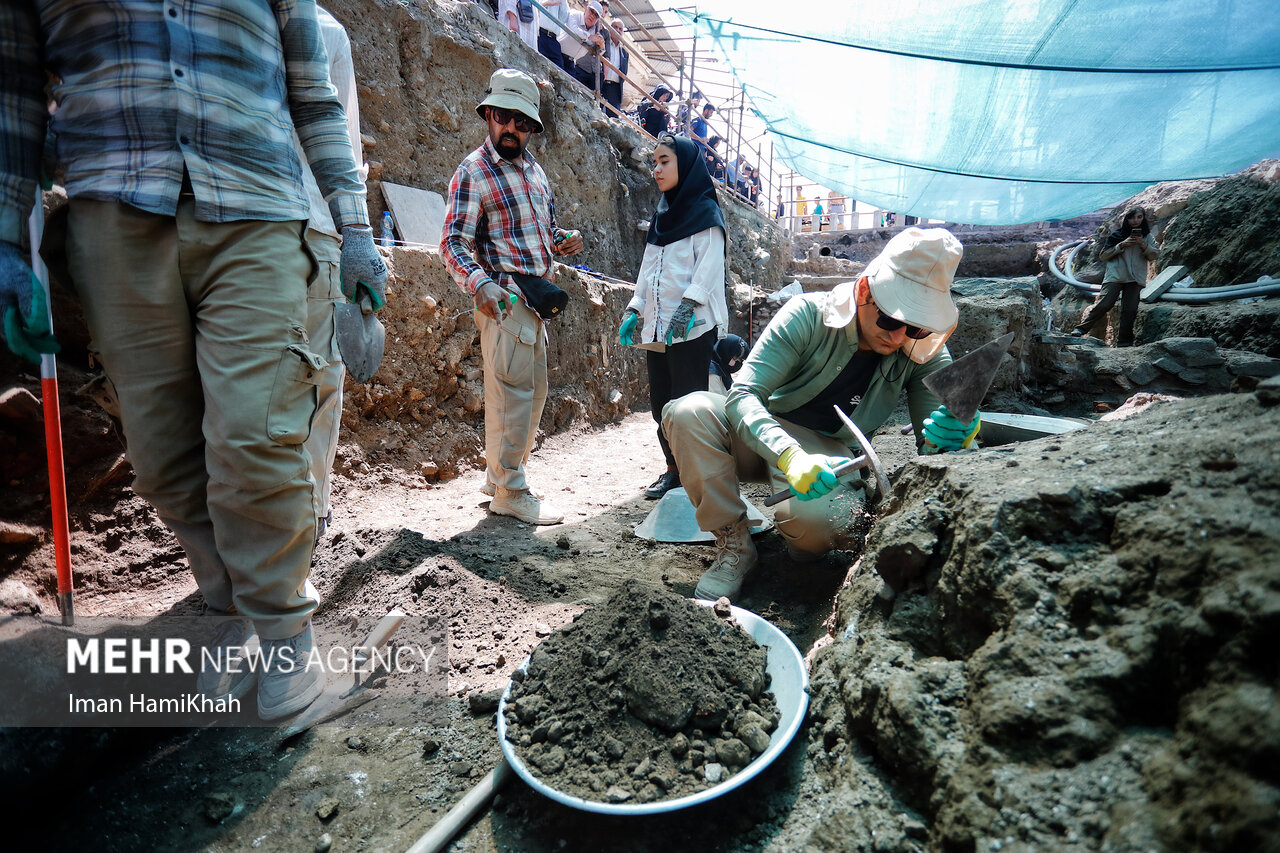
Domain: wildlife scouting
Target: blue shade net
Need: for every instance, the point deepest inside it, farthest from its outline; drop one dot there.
(987, 112)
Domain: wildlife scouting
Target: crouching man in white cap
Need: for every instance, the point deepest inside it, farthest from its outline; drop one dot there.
(857, 347)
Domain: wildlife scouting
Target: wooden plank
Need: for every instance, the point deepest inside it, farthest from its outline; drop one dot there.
(1158, 285)
(419, 214)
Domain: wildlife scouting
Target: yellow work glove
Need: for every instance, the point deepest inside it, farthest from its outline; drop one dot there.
(810, 475)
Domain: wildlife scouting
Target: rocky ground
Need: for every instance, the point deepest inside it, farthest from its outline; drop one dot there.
(1076, 649)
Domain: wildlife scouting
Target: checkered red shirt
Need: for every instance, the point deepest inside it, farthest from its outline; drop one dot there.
(499, 219)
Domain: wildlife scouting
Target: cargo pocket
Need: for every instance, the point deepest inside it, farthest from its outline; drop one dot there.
(294, 395)
(514, 358)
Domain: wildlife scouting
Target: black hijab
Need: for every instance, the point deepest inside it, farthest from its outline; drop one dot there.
(1122, 233)
(691, 205)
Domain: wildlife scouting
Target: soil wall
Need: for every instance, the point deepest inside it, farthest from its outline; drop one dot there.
(1081, 651)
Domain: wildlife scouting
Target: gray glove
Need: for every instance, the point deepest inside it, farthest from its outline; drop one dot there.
(681, 322)
(362, 266)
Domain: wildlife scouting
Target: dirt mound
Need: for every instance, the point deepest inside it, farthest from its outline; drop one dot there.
(648, 697)
(1082, 652)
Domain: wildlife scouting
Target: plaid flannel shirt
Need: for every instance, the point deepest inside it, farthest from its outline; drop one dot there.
(500, 219)
(146, 91)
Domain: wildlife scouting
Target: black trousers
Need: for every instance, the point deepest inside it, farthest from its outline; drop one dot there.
(681, 370)
(1128, 293)
(549, 47)
(611, 91)
(583, 76)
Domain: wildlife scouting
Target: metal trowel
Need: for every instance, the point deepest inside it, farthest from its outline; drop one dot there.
(962, 384)
(361, 337)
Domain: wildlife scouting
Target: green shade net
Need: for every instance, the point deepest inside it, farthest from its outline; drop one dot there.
(988, 112)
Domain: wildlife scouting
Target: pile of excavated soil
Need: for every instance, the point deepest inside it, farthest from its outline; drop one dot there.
(649, 697)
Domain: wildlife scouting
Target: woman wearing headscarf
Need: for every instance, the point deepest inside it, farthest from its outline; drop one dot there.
(729, 354)
(1126, 252)
(654, 117)
(679, 309)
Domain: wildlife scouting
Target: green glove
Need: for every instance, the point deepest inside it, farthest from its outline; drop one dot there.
(629, 331)
(946, 432)
(362, 266)
(682, 322)
(810, 475)
(23, 306)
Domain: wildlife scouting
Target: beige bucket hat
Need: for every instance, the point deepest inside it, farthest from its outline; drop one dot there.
(910, 281)
(512, 89)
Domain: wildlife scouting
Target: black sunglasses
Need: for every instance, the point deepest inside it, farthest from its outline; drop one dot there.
(501, 115)
(890, 324)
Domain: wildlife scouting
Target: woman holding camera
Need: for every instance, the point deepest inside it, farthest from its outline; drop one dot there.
(679, 309)
(1125, 253)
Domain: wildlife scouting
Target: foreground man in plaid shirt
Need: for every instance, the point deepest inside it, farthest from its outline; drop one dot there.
(173, 137)
(500, 221)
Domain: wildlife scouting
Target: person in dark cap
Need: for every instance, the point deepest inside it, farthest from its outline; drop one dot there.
(499, 224)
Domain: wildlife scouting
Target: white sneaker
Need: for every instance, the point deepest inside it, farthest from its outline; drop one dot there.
(224, 666)
(287, 684)
(735, 557)
(522, 504)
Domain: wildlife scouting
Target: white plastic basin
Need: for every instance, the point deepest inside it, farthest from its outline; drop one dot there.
(789, 682)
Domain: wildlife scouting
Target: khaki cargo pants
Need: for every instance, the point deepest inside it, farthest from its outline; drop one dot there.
(515, 391)
(324, 294)
(200, 329)
(713, 459)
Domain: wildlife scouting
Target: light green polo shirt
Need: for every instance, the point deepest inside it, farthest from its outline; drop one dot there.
(797, 357)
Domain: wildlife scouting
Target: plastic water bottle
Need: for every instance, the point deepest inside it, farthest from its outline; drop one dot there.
(388, 230)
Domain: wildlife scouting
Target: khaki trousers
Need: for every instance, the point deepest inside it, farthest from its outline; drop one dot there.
(324, 293)
(712, 460)
(515, 391)
(200, 329)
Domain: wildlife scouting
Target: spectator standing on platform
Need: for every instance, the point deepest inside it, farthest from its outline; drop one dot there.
(687, 112)
(611, 87)
(715, 165)
(549, 33)
(699, 131)
(781, 210)
(835, 206)
(518, 16)
(656, 117)
(584, 62)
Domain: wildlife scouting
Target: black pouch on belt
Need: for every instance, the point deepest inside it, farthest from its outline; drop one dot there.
(542, 296)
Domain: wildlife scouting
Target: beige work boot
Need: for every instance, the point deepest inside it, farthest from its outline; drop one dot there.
(225, 671)
(522, 504)
(490, 489)
(287, 684)
(735, 557)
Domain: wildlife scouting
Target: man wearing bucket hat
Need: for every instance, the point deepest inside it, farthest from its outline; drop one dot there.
(499, 225)
(859, 347)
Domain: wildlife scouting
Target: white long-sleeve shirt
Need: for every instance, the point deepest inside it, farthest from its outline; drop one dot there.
(691, 268)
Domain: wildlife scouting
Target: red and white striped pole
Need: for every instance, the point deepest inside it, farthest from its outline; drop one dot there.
(53, 429)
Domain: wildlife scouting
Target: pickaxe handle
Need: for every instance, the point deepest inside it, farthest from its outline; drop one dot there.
(840, 471)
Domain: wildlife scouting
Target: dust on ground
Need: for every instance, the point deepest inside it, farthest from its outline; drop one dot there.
(395, 542)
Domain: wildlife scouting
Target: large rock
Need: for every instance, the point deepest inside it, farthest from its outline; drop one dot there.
(1084, 659)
